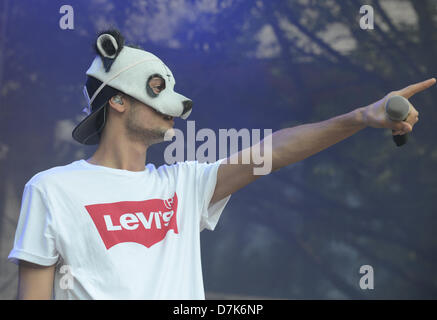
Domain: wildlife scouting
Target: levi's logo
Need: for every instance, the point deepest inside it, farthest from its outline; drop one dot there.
(145, 222)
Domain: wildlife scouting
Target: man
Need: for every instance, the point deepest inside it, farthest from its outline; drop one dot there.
(110, 227)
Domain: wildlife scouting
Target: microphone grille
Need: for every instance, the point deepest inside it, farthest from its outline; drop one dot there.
(397, 108)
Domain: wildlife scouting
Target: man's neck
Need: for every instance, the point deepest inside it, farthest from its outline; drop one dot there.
(129, 156)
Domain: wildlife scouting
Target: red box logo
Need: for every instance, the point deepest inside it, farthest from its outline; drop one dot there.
(145, 222)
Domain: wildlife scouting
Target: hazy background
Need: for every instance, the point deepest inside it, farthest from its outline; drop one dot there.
(302, 232)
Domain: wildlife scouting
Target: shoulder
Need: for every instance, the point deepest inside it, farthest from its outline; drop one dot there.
(179, 166)
(44, 178)
(192, 167)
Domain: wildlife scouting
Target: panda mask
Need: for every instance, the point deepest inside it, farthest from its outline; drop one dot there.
(129, 70)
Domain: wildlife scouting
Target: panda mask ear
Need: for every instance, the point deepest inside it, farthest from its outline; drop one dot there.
(108, 46)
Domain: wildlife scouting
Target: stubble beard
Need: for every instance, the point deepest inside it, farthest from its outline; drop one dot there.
(146, 136)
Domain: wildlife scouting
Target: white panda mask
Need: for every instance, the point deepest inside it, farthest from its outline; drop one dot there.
(128, 70)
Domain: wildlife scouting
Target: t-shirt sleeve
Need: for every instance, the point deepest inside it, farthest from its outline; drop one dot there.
(35, 235)
(206, 179)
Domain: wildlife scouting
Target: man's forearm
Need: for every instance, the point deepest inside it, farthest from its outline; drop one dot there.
(294, 144)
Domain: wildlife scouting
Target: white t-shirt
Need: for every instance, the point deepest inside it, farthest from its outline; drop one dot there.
(119, 234)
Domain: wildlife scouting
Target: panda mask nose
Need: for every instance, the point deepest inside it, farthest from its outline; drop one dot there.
(188, 105)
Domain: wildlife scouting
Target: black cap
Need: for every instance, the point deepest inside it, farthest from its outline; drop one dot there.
(87, 131)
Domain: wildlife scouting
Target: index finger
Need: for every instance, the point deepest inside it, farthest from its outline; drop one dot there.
(411, 90)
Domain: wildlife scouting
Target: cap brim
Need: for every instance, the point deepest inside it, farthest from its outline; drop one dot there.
(86, 132)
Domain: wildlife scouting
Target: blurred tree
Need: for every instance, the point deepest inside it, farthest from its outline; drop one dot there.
(355, 198)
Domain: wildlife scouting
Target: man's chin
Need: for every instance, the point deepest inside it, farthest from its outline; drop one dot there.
(164, 135)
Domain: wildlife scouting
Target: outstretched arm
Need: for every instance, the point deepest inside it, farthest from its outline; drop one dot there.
(294, 144)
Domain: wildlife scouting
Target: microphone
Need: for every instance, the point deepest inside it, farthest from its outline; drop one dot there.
(397, 109)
